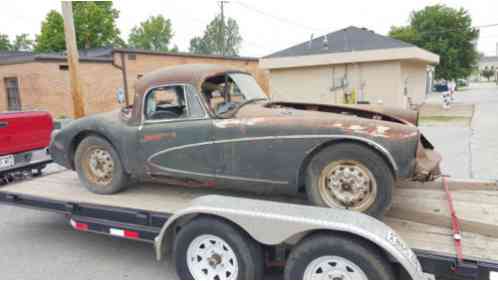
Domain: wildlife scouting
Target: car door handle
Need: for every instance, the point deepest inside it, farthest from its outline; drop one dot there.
(3, 124)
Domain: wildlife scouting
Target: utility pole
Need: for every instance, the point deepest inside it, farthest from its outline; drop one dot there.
(73, 60)
(222, 3)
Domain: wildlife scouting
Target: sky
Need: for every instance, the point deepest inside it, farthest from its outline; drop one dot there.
(266, 26)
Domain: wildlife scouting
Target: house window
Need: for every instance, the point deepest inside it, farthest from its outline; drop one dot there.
(132, 56)
(64, 67)
(13, 98)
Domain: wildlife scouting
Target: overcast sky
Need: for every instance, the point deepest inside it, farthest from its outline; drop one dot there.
(266, 25)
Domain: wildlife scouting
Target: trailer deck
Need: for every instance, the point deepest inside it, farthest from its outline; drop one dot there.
(419, 212)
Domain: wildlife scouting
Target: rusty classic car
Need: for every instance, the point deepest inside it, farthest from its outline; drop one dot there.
(209, 126)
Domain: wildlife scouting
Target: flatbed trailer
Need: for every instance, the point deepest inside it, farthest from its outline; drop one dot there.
(156, 214)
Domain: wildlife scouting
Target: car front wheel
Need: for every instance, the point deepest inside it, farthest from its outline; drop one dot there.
(350, 176)
(99, 167)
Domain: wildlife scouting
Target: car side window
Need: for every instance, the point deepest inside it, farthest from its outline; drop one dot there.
(166, 102)
(196, 110)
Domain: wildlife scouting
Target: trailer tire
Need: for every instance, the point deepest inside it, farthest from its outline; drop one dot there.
(239, 251)
(368, 184)
(101, 179)
(339, 257)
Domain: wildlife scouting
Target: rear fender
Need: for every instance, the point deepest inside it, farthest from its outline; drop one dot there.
(272, 223)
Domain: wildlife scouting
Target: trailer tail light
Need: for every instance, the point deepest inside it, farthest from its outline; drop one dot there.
(79, 226)
(124, 233)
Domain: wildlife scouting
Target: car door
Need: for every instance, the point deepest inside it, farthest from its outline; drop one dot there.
(174, 140)
(247, 148)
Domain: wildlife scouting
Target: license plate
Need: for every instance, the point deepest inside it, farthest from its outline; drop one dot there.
(7, 162)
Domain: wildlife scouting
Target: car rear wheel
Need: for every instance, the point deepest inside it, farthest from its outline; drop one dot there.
(99, 167)
(350, 176)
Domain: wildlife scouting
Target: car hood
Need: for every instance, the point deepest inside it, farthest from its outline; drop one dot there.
(351, 120)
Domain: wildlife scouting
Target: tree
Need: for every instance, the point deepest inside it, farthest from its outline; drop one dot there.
(22, 43)
(213, 41)
(51, 37)
(95, 25)
(153, 34)
(488, 73)
(447, 32)
(5, 43)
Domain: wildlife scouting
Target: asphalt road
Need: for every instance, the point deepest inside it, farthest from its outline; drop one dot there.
(39, 245)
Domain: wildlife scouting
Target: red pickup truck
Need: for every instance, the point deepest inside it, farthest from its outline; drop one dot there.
(24, 138)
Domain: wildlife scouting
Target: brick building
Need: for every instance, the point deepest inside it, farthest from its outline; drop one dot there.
(41, 81)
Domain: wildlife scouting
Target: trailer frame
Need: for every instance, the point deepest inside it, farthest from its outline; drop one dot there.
(146, 226)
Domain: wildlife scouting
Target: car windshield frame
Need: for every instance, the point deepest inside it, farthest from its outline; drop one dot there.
(248, 88)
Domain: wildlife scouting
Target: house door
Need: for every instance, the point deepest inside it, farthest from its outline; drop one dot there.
(13, 98)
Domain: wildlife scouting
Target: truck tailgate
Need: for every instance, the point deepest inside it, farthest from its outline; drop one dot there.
(24, 131)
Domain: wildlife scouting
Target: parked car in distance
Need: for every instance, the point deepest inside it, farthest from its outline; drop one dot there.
(208, 126)
(24, 139)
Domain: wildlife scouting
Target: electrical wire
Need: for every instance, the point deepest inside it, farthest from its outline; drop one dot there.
(278, 18)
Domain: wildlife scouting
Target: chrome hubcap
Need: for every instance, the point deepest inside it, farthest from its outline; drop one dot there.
(101, 165)
(348, 184)
(210, 258)
(333, 268)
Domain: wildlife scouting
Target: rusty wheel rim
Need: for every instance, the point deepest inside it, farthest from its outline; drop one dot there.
(348, 184)
(98, 165)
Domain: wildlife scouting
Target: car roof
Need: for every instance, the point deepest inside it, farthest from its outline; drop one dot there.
(193, 74)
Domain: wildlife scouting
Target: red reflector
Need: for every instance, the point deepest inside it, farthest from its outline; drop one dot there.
(131, 234)
(79, 226)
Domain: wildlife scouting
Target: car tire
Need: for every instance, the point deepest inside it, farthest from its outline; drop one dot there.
(93, 160)
(236, 245)
(327, 185)
(339, 256)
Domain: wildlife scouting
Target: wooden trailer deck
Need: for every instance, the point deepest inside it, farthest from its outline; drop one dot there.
(419, 213)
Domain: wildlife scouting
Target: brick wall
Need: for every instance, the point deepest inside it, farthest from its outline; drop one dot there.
(43, 86)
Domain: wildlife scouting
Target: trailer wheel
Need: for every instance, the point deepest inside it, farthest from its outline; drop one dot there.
(212, 249)
(350, 176)
(335, 257)
(99, 167)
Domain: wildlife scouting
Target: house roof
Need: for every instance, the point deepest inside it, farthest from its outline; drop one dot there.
(100, 55)
(345, 40)
(489, 59)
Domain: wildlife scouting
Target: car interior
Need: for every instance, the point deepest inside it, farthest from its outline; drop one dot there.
(166, 103)
(221, 93)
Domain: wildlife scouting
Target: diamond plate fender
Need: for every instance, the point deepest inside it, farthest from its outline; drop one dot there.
(272, 223)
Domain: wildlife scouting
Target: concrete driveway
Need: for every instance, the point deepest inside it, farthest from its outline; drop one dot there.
(469, 149)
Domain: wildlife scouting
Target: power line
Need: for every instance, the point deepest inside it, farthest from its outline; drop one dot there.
(278, 18)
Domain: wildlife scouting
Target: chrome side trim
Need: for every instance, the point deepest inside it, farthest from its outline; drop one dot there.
(219, 176)
(368, 141)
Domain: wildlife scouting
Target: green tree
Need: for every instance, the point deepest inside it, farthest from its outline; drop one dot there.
(488, 73)
(215, 41)
(5, 43)
(153, 34)
(22, 43)
(51, 37)
(447, 32)
(95, 26)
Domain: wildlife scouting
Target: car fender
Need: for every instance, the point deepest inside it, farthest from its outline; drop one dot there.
(273, 223)
(377, 147)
